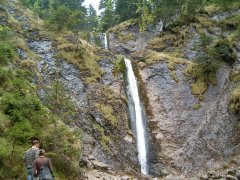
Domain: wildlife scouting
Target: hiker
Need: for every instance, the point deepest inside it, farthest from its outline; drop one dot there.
(42, 167)
(29, 156)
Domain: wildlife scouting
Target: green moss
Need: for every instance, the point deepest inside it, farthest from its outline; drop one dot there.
(105, 140)
(235, 76)
(196, 106)
(174, 76)
(231, 22)
(205, 21)
(119, 65)
(199, 87)
(126, 37)
(202, 75)
(83, 58)
(123, 26)
(234, 103)
(152, 57)
(108, 113)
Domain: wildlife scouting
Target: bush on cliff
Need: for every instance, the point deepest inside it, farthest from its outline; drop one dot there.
(234, 104)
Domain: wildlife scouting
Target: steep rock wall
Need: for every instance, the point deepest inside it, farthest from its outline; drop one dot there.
(107, 141)
(189, 135)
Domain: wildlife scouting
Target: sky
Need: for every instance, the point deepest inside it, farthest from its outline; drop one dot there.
(95, 3)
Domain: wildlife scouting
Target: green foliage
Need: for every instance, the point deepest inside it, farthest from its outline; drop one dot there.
(23, 116)
(237, 32)
(108, 16)
(21, 131)
(55, 96)
(190, 8)
(126, 9)
(7, 53)
(5, 74)
(108, 113)
(19, 107)
(205, 40)
(5, 33)
(224, 50)
(234, 103)
(60, 15)
(66, 142)
(235, 75)
(203, 75)
(221, 2)
(4, 152)
(119, 65)
(92, 19)
(196, 106)
(105, 140)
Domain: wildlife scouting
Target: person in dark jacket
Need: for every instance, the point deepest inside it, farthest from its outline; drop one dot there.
(29, 156)
(42, 167)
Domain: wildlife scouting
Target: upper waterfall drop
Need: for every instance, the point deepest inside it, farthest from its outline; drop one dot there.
(104, 40)
(139, 118)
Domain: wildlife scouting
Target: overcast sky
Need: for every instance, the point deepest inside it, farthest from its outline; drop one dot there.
(95, 3)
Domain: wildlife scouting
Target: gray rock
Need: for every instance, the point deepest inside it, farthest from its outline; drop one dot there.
(230, 177)
(138, 40)
(189, 138)
(21, 54)
(99, 165)
(125, 178)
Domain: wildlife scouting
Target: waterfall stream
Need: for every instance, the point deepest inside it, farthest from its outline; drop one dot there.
(136, 114)
(104, 41)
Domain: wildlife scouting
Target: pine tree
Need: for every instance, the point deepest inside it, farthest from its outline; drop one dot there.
(92, 19)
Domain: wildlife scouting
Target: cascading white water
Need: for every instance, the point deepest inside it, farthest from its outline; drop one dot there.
(104, 41)
(139, 123)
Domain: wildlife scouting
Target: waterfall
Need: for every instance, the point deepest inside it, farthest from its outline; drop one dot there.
(104, 41)
(136, 112)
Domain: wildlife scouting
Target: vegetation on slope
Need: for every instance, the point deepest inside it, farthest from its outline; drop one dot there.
(23, 117)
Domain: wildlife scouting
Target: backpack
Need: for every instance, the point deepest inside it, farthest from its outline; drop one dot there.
(45, 173)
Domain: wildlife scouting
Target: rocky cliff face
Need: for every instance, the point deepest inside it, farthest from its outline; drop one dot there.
(189, 134)
(108, 144)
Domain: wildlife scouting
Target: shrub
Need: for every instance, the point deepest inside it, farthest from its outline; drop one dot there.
(21, 131)
(234, 104)
(7, 53)
(119, 65)
(5, 74)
